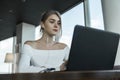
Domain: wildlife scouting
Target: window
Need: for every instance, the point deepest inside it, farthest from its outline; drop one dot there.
(96, 17)
(5, 47)
(69, 20)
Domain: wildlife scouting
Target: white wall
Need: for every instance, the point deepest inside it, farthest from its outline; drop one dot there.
(111, 15)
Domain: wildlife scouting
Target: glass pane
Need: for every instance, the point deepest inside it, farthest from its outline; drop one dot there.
(96, 14)
(69, 20)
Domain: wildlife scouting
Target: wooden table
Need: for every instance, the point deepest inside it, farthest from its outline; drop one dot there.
(66, 75)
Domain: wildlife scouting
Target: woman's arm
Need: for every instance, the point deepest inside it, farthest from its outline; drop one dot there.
(24, 63)
(63, 66)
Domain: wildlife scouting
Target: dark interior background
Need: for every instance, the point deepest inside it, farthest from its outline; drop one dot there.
(13, 12)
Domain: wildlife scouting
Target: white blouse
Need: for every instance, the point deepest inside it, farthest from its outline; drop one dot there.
(34, 60)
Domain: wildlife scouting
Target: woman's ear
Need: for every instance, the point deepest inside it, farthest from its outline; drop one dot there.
(42, 25)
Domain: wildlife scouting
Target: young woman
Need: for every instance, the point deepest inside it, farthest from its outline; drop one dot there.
(45, 53)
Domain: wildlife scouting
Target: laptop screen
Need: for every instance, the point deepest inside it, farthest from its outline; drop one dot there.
(92, 49)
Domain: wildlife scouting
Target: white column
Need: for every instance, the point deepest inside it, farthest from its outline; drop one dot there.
(87, 13)
(111, 15)
(25, 32)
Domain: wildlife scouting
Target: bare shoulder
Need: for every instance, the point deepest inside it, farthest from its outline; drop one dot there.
(61, 45)
(29, 43)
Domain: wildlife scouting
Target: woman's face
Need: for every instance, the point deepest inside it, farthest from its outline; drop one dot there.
(52, 25)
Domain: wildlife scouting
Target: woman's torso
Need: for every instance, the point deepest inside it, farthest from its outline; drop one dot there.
(46, 58)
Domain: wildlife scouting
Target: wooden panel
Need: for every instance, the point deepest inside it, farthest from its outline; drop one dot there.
(79, 75)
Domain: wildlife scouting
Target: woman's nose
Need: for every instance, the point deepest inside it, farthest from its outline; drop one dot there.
(56, 25)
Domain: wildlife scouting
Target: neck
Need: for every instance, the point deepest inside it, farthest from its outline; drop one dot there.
(48, 40)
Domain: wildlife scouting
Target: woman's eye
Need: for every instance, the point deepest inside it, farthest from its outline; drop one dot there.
(51, 21)
(59, 23)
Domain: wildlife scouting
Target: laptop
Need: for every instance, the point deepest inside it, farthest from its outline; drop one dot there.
(92, 49)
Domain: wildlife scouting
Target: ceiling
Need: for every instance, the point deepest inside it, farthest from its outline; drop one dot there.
(13, 12)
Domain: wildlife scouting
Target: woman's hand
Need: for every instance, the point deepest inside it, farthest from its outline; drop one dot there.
(63, 66)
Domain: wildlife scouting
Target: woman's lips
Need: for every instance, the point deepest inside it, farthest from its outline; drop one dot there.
(55, 30)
